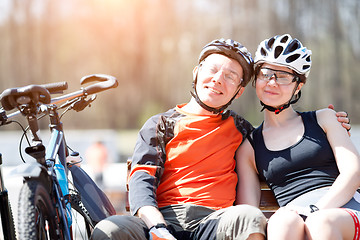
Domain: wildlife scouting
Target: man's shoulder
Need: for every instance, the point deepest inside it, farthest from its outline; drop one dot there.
(170, 112)
(163, 120)
(244, 126)
(237, 117)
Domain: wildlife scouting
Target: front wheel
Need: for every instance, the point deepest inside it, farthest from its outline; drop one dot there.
(7, 220)
(37, 218)
(82, 222)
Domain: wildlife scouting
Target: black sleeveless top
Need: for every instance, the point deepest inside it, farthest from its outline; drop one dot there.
(307, 165)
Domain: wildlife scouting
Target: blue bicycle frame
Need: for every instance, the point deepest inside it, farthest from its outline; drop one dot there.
(57, 147)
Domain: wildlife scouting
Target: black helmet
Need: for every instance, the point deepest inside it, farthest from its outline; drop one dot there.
(234, 50)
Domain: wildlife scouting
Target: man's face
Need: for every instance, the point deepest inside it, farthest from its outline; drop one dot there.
(218, 79)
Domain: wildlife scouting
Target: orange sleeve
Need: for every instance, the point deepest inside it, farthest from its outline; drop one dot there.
(149, 169)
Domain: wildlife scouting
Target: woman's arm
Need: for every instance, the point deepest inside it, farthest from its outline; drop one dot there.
(347, 159)
(248, 187)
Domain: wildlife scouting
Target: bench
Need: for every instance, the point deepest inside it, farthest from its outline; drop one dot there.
(268, 203)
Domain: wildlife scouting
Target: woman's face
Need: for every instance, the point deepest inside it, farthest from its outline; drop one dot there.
(275, 84)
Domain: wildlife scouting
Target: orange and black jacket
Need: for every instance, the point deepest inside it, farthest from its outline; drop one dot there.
(186, 158)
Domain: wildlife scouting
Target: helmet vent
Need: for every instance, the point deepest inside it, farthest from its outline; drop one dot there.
(270, 43)
(292, 46)
(284, 39)
(306, 67)
(278, 51)
(263, 52)
(292, 58)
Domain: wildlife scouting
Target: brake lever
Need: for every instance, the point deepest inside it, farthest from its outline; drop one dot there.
(69, 103)
(3, 117)
(83, 103)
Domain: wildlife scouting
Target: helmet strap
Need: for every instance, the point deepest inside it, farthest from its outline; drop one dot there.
(285, 106)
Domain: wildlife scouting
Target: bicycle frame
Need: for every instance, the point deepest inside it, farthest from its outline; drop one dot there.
(57, 147)
(7, 219)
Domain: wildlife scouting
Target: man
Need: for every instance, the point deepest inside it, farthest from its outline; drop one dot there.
(183, 180)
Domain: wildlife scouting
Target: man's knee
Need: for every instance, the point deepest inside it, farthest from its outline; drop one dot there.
(243, 220)
(119, 227)
(250, 212)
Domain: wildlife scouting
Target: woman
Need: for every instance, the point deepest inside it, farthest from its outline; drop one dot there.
(306, 158)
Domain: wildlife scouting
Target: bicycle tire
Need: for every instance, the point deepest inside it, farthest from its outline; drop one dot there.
(78, 206)
(37, 218)
(7, 219)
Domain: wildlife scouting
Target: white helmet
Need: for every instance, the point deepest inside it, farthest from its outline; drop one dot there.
(284, 51)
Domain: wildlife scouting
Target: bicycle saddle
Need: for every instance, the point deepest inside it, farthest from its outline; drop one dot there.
(31, 94)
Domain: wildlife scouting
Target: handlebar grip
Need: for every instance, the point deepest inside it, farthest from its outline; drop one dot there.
(57, 87)
(106, 82)
(9, 97)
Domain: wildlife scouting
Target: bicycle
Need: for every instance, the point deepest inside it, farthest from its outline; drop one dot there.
(6, 214)
(53, 186)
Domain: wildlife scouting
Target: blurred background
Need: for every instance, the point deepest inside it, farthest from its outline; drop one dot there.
(152, 46)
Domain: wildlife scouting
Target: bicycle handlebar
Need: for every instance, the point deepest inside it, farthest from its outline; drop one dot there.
(106, 82)
(13, 97)
(57, 87)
